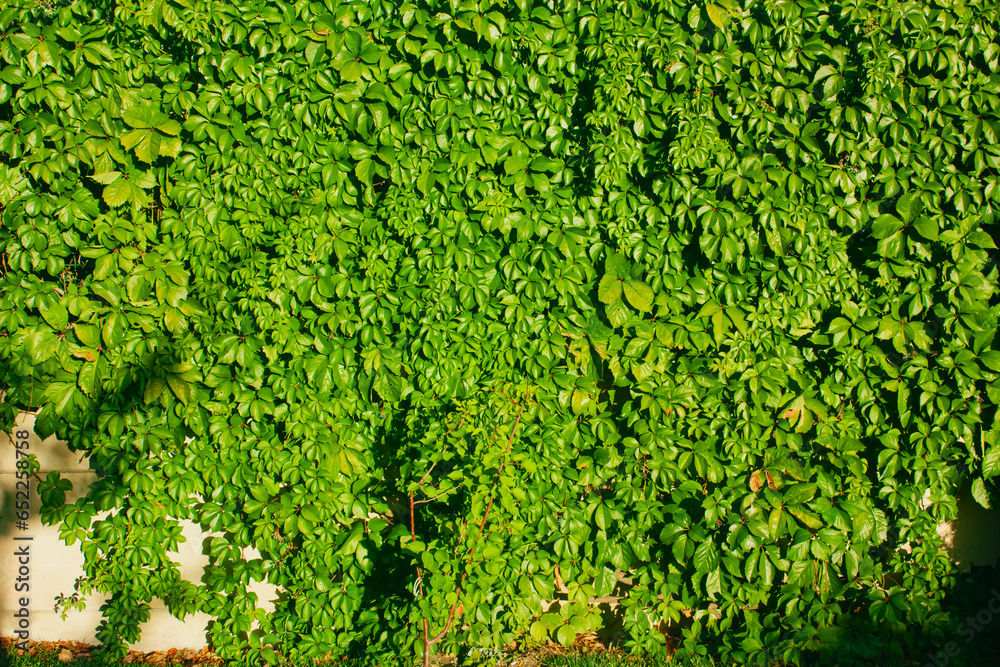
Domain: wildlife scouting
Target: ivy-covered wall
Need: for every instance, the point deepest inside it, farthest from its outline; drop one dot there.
(423, 300)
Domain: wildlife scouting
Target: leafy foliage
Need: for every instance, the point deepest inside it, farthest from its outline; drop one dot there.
(436, 304)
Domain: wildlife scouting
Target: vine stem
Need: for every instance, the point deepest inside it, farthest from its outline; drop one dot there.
(428, 641)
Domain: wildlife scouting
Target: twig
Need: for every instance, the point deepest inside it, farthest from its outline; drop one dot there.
(425, 476)
(433, 498)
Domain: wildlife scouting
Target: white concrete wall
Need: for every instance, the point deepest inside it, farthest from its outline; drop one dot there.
(974, 540)
(54, 566)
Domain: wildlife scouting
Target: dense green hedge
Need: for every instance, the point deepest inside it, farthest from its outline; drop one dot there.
(423, 300)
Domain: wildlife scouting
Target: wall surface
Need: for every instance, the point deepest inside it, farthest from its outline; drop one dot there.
(53, 566)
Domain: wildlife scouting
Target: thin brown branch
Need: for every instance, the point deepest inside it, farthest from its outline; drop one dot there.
(426, 474)
(413, 525)
(433, 498)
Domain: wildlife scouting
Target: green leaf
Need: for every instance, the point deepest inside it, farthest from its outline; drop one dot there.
(708, 310)
(639, 295)
(351, 71)
(776, 242)
(154, 389)
(515, 163)
(311, 513)
(171, 127)
(565, 635)
(805, 516)
(389, 387)
(706, 557)
(891, 246)
(119, 192)
(41, 345)
(363, 170)
(314, 51)
(610, 289)
(103, 266)
(55, 314)
(799, 493)
(180, 388)
(107, 177)
(138, 116)
(981, 239)
(148, 150)
(581, 400)
(886, 226)
(60, 395)
(113, 331)
(927, 228)
(133, 139)
(991, 462)
(88, 378)
(990, 359)
(909, 206)
(734, 314)
(980, 493)
(618, 313)
(89, 335)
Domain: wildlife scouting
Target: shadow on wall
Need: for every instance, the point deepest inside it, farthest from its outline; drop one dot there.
(973, 539)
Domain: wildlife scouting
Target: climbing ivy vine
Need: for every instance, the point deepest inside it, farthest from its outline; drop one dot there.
(453, 308)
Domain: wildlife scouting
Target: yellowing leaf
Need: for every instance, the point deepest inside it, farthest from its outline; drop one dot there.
(718, 15)
(85, 353)
(581, 400)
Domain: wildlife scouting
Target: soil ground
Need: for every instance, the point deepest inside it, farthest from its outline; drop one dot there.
(70, 651)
